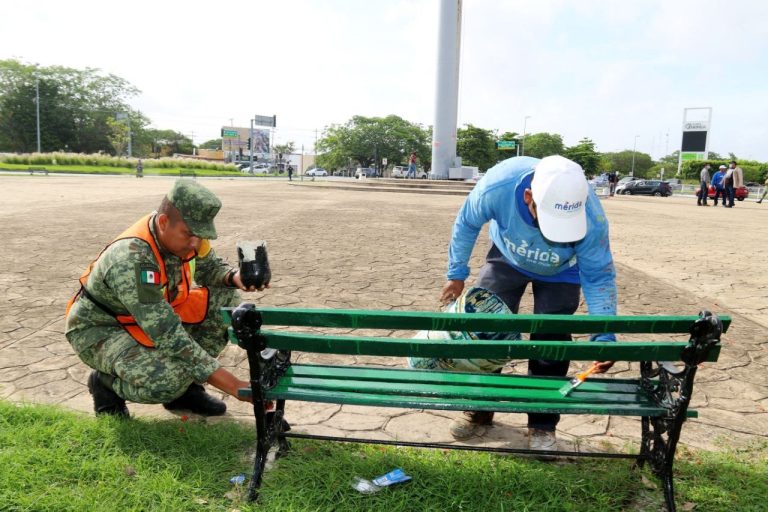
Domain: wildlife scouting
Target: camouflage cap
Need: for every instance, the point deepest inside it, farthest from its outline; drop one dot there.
(197, 205)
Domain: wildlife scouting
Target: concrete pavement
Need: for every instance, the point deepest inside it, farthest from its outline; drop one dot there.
(347, 249)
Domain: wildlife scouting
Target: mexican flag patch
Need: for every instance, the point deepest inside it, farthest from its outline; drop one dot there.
(150, 277)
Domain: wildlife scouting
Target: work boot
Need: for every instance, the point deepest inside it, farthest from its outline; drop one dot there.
(542, 440)
(469, 423)
(196, 400)
(105, 400)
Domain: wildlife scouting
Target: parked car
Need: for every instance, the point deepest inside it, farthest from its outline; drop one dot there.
(622, 183)
(647, 187)
(675, 183)
(368, 172)
(740, 193)
(401, 171)
(316, 171)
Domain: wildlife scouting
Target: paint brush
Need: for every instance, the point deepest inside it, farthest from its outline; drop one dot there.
(578, 379)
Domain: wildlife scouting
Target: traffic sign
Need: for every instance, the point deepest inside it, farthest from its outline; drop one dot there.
(506, 145)
(229, 134)
(270, 121)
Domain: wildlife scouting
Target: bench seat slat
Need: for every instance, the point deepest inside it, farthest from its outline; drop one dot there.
(436, 377)
(508, 393)
(488, 322)
(552, 350)
(447, 404)
(600, 396)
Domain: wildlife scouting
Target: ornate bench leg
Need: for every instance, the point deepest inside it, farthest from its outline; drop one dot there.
(266, 366)
(673, 391)
(669, 490)
(262, 447)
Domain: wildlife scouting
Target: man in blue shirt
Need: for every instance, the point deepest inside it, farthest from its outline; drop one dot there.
(547, 228)
(717, 182)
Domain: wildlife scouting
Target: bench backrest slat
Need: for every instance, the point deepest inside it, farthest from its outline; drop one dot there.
(477, 322)
(403, 347)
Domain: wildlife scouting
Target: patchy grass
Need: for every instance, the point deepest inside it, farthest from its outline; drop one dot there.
(51, 459)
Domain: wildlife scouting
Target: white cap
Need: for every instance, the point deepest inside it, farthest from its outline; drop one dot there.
(560, 192)
(722, 167)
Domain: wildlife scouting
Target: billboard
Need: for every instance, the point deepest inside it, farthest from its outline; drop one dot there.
(695, 142)
(234, 139)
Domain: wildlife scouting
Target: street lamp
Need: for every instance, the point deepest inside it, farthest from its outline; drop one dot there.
(522, 143)
(634, 147)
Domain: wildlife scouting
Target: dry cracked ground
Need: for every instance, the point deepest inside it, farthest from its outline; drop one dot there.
(350, 249)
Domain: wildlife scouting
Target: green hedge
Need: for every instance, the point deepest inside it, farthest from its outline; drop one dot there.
(111, 161)
(753, 171)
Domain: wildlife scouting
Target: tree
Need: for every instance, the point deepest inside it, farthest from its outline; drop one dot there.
(211, 144)
(284, 149)
(157, 143)
(543, 144)
(476, 146)
(366, 141)
(74, 107)
(621, 162)
(585, 155)
(118, 136)
(671, 159)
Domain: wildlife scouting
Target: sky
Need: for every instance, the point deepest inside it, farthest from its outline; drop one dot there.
(617, 71)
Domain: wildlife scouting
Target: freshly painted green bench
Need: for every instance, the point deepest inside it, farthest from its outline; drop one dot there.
(660, 394)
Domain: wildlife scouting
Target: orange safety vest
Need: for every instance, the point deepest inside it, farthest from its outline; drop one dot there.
(191, 304)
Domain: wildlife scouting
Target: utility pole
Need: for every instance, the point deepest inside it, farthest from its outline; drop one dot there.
(522, 142)
(37, 107)
(250, 146)
(130, 136)
(634, 147)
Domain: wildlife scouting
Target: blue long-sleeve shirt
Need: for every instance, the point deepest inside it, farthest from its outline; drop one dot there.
(498, 199)
(717, 179)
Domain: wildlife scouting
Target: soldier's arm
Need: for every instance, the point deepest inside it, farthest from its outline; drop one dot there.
(131, 276)
(210, 269)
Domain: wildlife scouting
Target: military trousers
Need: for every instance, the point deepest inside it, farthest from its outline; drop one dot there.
(145, 375)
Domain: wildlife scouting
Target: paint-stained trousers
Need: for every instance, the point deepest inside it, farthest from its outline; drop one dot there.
(500, 278)
(144, 374)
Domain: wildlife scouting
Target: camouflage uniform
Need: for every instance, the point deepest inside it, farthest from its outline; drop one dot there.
(182, 353)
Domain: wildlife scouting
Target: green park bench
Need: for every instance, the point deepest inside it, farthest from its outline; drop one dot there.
(188, 174)
(38, 170)
(659, 395)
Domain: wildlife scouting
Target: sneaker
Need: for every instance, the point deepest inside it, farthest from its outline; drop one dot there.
(196, 400)
(542, 440)
(469, 424)
(105, 400)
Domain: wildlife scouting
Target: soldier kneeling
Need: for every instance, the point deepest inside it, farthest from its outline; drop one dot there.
(146, 317)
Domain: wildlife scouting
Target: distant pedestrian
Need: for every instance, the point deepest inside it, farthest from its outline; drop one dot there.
(411, 166)
(290, 173)
(704, 191)
(734, 178)
(612, 179)
(717, 182)
(765, 190)
(139, 169)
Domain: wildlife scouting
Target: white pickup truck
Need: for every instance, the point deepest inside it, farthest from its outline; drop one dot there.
(401, 171)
